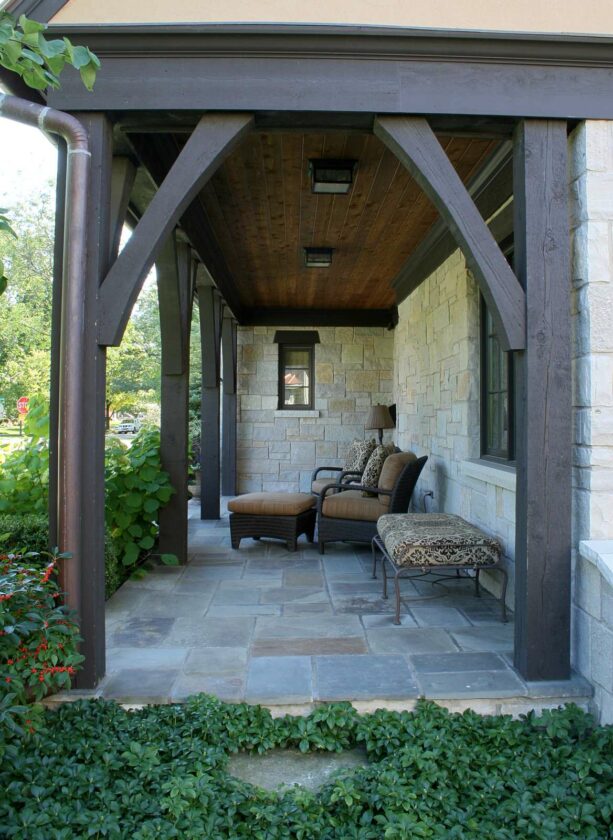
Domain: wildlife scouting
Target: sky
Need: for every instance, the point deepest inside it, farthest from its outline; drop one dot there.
(27, 162)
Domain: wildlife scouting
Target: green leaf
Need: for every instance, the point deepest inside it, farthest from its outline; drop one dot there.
(169, 559)
(147, 543)
(88, 76)
(31, 26)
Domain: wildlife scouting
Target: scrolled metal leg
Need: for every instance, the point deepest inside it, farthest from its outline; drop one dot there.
(373, 548)
(384, 570)
(477, 589)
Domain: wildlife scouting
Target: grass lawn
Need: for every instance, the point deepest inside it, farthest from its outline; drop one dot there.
(98, 770)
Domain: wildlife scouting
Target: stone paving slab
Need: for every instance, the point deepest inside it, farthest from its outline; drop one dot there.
(363, 677)
(279, 680)
(491, 637)
(141, 685)
(228, 688)
(308, 647)
(471, 684)
(450, 662)
(409, 640)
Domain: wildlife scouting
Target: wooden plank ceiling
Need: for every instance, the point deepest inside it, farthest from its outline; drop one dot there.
(262, 213)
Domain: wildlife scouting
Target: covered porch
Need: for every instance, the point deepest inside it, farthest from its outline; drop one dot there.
(217, 185)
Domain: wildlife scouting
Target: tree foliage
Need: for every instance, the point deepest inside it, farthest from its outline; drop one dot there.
(25, 50)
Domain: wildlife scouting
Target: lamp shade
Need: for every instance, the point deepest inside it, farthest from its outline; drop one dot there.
(379, 417)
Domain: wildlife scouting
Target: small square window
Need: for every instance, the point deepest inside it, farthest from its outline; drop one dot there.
(296, 376)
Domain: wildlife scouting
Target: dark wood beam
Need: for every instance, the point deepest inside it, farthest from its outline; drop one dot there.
(158, 154)
(229, 406)
(175, 294)
(288, 317)
(122, 181)
(213, 139)
(343, 69)
(414, 143)
(210, 308)
(544, 413)
(92, 400)
(488, 195)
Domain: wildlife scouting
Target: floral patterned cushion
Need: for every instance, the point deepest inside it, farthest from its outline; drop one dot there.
(372, 470)
(358, 454)
(436, 539)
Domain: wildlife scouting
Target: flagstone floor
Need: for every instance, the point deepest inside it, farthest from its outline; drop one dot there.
(266, 625)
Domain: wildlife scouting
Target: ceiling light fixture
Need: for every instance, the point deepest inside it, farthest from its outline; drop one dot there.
(332, 176)
(318, 257)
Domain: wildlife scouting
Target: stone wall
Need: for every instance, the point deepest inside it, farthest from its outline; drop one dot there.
(436, 389)
(278, 450)
(592, 239)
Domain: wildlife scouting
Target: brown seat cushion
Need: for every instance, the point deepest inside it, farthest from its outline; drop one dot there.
(318, 485)
(272, 504)
(352, 505)
(392, 467)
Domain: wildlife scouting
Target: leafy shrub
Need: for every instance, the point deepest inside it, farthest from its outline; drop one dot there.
(28, 532)
(136, 488)
(24, 471)
(161, 772)
(38, 638)
(31, 534)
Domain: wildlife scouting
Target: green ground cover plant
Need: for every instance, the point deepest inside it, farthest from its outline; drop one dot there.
(98, 770)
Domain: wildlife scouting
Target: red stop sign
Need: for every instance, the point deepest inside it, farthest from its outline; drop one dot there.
(23, 405)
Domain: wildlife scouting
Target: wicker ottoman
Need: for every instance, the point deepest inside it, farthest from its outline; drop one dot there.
(431, 542)
(281, 515)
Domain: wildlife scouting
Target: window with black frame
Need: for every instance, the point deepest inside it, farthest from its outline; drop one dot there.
(296, 368)
(497, 405)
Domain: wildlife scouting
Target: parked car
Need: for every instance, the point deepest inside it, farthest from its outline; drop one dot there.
(130, 427)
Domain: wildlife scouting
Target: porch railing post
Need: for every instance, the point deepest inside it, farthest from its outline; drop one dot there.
(544, 418)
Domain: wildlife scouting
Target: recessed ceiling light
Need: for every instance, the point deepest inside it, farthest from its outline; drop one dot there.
(318, 257)
(331, 176)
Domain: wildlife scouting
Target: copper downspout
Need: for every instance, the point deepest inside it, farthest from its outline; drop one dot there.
(72, 342)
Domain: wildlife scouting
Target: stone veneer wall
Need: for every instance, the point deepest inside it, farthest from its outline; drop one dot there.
(436, 389)
(278, 450)
(592, 238)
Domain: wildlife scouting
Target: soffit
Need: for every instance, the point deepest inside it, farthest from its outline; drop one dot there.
(548, 16)
(261, 213)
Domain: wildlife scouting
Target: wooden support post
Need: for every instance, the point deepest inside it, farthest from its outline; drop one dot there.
(209, 305)
(544, 417)
(122, 181)
(175, 293)
(56, 327)
(90, 553)
(228, 425)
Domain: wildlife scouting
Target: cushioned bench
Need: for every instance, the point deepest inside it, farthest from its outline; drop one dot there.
(433, 542)
(281, 515)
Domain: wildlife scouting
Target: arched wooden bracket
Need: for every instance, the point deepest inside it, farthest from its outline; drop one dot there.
(416, 146)
(213, 139)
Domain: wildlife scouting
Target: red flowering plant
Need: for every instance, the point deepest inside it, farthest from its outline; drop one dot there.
(39, 638)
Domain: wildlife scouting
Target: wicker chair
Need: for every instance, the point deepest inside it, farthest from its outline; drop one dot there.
(344, 513)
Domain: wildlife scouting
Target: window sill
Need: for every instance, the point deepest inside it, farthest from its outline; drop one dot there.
(498, 474)
(600, 553)
(297, 412)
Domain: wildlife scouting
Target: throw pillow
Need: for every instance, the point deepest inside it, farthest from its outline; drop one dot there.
(372, 470)
(358, 454)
